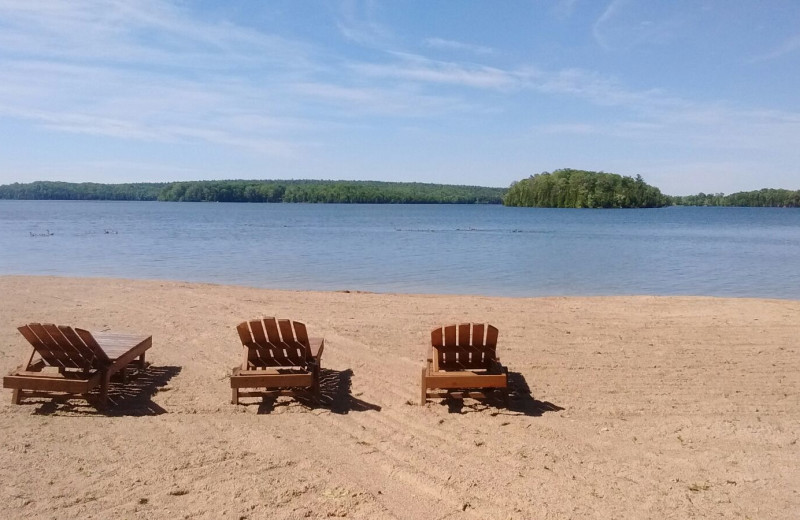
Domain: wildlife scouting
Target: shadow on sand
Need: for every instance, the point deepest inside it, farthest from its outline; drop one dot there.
(520, 402)
(132, 398)
(335, 390)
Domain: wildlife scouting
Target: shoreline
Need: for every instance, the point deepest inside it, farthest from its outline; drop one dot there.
(638, 406)
(97, 279)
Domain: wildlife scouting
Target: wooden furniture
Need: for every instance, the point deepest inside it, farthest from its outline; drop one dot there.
(463, 357)
(74, 361)
(278, 357)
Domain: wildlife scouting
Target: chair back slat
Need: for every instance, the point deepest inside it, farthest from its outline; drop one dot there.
(271, 326)
(478, 333)
(464, 346)
(245, 336)
(275, 343)
(437, 339)
(79, 355)
(257, 333)
(450, 336)
(100, 355)
(64, 347)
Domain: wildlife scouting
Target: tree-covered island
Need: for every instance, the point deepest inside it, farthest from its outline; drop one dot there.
(569, 188)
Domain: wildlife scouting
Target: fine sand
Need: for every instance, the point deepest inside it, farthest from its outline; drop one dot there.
(638, 407)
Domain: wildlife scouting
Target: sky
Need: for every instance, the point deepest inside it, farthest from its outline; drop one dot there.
(693, 95)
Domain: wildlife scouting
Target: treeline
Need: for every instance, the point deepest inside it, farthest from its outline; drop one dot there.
(50, 190)
(565, 188)
(348, 192)
(343, 192)
(765, 198)
(569, 188)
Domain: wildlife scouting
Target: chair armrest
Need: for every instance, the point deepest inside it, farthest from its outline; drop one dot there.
(318, 355)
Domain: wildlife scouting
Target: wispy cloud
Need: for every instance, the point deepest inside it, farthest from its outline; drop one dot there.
(629, 23)
(564, 8)
(789, 46)
(417, 68)
(452, 45)
(357, 22)
(145, 71)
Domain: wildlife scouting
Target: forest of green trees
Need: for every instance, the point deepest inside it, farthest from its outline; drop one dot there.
(765, 198)
(569, 188)
(49, 190)
(345, 192)
(260, 191)
(565, 188)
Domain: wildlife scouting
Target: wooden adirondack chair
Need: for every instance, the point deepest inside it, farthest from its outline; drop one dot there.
(463, 357)
(73, 360)
(278, 357)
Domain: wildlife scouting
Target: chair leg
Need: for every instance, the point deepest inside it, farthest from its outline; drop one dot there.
(102, 401)
(316, 390)
(234, 396)
(423, 398)
(16, 396)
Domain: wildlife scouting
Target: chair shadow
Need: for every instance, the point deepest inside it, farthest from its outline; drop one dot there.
(520, 402)
(335, 395)
(132, 398)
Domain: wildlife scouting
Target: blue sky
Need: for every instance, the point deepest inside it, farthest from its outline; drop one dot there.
(693, 95)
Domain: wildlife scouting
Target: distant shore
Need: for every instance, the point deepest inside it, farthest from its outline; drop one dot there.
(626, 407)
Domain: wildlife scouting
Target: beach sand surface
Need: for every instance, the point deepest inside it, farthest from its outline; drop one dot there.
(623, 407)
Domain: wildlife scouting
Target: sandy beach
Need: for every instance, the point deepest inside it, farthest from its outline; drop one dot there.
(623, 407)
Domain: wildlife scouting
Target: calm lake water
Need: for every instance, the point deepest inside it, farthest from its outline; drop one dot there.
(489, 250)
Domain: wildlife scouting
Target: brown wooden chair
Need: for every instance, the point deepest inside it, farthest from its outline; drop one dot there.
(278, 357)
(464, 358)
(74, 361)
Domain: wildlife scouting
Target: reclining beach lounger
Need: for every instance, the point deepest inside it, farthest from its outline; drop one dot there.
(74, 361)
(278, 357)
(463, 362)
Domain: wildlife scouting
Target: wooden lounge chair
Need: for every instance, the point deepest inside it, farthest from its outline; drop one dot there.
(278, 357)
(74, 361)
(463, 357)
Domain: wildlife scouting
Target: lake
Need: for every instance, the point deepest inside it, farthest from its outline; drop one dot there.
(456, 249)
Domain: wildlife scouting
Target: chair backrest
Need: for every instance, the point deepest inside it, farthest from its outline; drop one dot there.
(275, 343)
(65, 347)
(464, 346)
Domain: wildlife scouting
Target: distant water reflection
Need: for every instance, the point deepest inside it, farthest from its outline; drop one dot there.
(488, 250)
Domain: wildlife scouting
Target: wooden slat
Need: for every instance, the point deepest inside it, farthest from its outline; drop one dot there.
(300, 333)
(56, 383)
(491, 336)
(102, 356)
(437, 337)
(450, 336)
(254, 379)
(77, 356)
(113, 345)
(271, 326)
(464, 339)
(47, 347)
(257, 329)
(287, 334)
(466, 379)
(78, 344)
(478, 332)
(243, 329)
